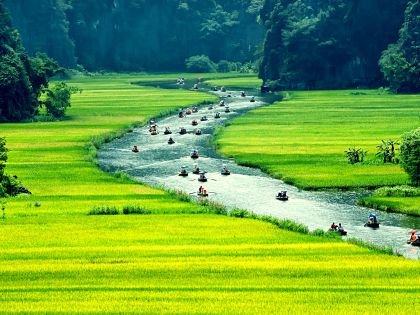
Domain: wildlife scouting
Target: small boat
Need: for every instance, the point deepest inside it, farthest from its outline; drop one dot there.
(154, 132)
(252, 100)
(416, 242)
(194, 109)
(243, 94)
(210, 107)
(198, 132)
(135, 149)
(204, 118)
(181, 114)
(215, 89)
(194, 123)
(282, 196)
(188, 112)
(203, 194)
(227, 109)
(196, 169)
(229, 95)
(202, 178)
(183, 171)
(217, 115)
(182, 131)
(194, 154)
(222, 103)
(372, 221)
(225, 171)
(195, 87)
(265, 88)
(223, 89)
(171, 141)
(342, 232)
(167, 131)
(414, 239)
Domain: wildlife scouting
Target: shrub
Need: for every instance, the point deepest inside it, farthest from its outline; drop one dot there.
(355, 155)
(200, 63)
(104, 210)
(410, 155)
(135, 210)
(398, 191)
(241, 213)
(226, 66)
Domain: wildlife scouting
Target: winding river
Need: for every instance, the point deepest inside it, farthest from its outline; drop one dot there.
(158, 163)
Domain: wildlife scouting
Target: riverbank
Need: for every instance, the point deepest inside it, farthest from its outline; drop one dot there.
(55, 258)
(302, 139)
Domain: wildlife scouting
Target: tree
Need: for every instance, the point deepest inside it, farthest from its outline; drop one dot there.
(9, 185)
(386, 150)
(200, 64)
(355, 155)
(400, 63)
(57, 99)
(410, 155)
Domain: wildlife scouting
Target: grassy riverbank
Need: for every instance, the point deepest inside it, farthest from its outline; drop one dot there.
(57, 259)
(302, 139)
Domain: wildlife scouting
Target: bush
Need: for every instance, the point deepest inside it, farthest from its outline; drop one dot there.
(201, 64)
(135, 210)
(410, 155)
(397, 191)
(226, 66)
(104, 210)
(241, 213)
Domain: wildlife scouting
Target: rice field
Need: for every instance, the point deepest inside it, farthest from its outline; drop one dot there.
(57, 259)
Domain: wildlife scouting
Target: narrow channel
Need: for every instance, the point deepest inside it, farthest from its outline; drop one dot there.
(159, 163)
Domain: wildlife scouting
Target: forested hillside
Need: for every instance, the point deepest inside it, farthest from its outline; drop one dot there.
(316, 44)
(138, 34)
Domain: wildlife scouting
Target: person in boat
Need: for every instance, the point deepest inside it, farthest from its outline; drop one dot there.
(167, 131)
(243, 94)
(222, 103)
(340, 228)
(204, 118)
(194, 109)
(200, 190)
(334, 226)
(217, 115)
(413, 237)
(181, 114)
(135, 149)
(195, 87)
(198, 132)
(196, 169)
(223, 89)
(171, 141)
(252, 100)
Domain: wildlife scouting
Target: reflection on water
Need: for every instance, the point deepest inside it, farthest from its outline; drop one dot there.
(158, 163)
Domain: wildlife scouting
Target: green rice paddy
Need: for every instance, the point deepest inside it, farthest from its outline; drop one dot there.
(57, 259)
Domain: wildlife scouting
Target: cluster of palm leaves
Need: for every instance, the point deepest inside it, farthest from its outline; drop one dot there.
(387, 151)
(355, 155)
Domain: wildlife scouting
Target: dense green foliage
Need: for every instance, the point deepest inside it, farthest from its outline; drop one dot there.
(313, 44)
(138, 34)
(198, 64)
(410, 155)
(21, 78)
(57, 99)
(9, 185)
(400, 63)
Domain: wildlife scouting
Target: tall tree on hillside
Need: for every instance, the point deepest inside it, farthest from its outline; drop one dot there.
(312, 44)
(400, 63)
(21, 78)
(44, 28)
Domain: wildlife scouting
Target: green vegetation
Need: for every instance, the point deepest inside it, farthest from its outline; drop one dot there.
(410, 155)
(57, 258)
(200, 64)
(249, 81)
(302, 139)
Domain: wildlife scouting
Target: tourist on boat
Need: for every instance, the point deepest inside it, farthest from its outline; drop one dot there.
(222, 103)
(195, 87)
(181, 114)
(223, 89)
(252, 100)
(217, 115)
(243, 94)
(167, 131)
(413, 237)
(171, 141)
(196, 169)
(135, 149)
(334, 226)
(200, 190)
(340, 228)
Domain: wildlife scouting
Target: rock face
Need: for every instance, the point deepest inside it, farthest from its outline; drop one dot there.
(314, 44)
(138, 34)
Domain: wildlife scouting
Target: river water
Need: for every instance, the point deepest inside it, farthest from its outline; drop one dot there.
(157, 163)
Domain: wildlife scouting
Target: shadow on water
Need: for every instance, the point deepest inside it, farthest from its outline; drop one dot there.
(158, 163)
